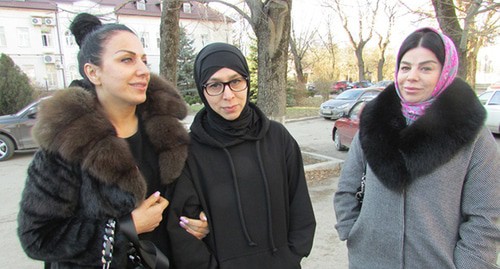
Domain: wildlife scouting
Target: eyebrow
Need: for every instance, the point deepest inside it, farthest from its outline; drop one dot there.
(220, 80)
(422, 63)
(129, 52)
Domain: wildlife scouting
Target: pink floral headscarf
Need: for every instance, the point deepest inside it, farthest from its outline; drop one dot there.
(412, 111)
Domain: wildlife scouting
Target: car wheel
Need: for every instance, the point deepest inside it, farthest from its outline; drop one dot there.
(6, 148)
(337, 142)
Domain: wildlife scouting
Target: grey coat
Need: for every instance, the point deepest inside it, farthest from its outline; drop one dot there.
(432, 190)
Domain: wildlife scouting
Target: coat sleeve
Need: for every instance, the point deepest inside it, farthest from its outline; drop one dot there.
(187, 251)
(48, 227)
(345, 203)
(302, 220)
(480, 232)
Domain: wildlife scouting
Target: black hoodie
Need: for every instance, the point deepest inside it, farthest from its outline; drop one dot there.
(254, 194)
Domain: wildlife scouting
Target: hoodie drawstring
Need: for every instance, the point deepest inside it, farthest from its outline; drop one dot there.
(238, 200)
(268, 199)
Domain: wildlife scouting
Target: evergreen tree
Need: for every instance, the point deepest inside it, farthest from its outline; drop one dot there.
(185, 65)
(252, 60)
(15, 88)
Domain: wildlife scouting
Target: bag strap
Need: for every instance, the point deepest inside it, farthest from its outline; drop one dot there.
(149, 252)
(361, 190)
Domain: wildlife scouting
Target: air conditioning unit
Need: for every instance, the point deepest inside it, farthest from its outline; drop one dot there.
(36, 21)
(49, 59)
(49, 21)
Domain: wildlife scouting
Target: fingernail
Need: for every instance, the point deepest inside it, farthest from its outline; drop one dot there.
(204, 218)
(184, 220)
(156, 194)
(182, 224)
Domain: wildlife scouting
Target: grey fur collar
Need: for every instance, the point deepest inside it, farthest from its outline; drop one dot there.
(398, 154)
(73, 125)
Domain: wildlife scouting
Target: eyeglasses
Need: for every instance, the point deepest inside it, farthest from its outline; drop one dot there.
(217, 88)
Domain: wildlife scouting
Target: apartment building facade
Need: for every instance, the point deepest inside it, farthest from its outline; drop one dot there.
(35, 33)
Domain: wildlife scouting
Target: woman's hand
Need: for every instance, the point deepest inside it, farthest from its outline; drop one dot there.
(198, 228)
(148, 215)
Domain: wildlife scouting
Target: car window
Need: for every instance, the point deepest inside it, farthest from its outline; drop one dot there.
(354, 114)
(349, 95)
(483, 98)
(495, 100)
(369, 95)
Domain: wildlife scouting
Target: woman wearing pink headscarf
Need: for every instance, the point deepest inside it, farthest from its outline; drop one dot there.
(432, 192)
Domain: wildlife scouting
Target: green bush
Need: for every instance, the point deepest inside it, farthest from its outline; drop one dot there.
(15, 88)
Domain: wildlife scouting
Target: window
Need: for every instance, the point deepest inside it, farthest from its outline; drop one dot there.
(186, 7)
(51, 78)
(47, 39)
(495, 100)
(483, 98)
(158, 41)
(70, 38)
(74, 73)
(3, 41)
(141, 4)
(23, 37)
(145, 40)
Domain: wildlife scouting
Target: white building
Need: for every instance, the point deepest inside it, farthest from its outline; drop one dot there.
(35, 34)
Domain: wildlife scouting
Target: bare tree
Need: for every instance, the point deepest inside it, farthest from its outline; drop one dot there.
(384, 39)
(467, 31)
(364, 31)
(169, 39)
(270, 21)
(299, 46)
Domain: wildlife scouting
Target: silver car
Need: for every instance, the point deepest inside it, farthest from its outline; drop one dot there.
(491, 101)
(336, 108)
(15, 131)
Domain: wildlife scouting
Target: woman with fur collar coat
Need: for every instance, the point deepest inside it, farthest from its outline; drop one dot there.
(108, 149)
(432, 193)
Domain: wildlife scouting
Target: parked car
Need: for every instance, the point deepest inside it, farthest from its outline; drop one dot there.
(347, 126)
(382, 84)
(340, 86)
(15, 131)
(335, 108)
(491, 101)
(361, 84)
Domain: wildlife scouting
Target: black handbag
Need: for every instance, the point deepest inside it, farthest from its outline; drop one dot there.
(142, 253)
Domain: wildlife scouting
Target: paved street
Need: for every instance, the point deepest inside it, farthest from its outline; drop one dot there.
(313, 135)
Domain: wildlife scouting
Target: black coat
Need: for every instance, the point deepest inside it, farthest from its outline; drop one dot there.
(255, 196)
(83, 174)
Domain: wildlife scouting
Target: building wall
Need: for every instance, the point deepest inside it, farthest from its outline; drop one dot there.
(54, 66)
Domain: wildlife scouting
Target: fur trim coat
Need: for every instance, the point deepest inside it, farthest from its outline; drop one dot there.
(83, 174)
(432, 189)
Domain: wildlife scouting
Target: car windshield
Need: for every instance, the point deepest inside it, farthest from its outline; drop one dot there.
(22, 111)
(349, 95)
(483, 98)
(495, 100)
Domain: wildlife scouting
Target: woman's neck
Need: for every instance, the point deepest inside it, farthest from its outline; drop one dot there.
(124, 120)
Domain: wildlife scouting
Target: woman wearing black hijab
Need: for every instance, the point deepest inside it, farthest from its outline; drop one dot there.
(245, 172)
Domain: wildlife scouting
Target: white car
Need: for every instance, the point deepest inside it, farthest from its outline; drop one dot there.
(491, 101)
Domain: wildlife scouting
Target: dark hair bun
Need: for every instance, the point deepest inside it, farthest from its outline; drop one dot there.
(82, 25)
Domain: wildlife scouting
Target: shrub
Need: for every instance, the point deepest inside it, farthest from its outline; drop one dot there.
(15, 88)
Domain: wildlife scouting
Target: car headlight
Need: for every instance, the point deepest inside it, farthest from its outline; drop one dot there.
(344, 106)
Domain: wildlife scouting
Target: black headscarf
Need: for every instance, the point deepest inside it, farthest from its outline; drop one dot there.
(209, 60)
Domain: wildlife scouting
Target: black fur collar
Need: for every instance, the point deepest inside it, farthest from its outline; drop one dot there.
(73, 124)
(398, 154)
